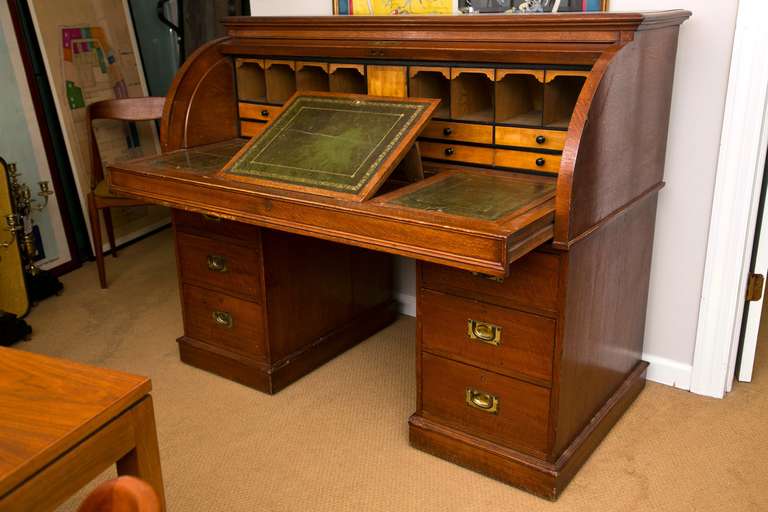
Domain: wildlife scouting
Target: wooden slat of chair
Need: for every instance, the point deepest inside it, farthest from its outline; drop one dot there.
(126, 109)
(122, 494)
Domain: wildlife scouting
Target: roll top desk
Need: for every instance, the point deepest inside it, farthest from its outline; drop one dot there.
(530, 313)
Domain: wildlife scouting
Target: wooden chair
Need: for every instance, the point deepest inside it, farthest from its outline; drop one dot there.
(122, 494)
(100, 198)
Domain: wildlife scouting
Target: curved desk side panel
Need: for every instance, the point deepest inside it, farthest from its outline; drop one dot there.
(201, 106)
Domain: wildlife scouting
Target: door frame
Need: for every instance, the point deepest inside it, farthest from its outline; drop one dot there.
(735, 205)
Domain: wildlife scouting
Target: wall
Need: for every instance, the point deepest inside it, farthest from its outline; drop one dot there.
(701, 79)
(682, 224)
(291, 8)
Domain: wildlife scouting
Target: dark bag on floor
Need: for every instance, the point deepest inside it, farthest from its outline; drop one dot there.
(12, 329)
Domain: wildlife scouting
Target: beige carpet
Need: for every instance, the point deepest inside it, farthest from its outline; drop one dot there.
(337, 439)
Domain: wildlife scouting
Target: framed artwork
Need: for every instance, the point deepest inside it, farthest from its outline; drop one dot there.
(393, 7)
(384, 7)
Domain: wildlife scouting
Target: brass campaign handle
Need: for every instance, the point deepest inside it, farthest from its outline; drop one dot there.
(223, 319)
(483, 401)
(484, 332)
(217, 263)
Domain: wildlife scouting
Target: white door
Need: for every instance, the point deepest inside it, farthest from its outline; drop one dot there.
(754, 309)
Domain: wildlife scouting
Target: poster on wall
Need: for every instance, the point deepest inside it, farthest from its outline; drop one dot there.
(401, 7)
(90, 55)
(22, 144)
(395, 7)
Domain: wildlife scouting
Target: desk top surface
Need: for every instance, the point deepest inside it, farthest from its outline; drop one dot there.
(48, 405)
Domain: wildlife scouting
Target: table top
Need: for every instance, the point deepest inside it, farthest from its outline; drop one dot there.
(48, 405)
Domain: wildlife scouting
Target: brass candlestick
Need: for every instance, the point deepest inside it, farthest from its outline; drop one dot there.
(24, 206)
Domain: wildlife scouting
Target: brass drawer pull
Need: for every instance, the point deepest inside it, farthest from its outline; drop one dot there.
(223, 319)
(217, 263)
(481, 400)
(211, 218)
(484, 332)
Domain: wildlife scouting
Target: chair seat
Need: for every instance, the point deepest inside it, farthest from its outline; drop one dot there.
(102, 190)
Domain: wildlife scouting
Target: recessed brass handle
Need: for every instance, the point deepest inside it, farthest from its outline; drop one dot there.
(484, 332)
(223, 319)
(211, 218)
(217, 263)
(483, 401)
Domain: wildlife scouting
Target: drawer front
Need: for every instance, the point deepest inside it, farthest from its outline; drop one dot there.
(457, 152)
(224, 321)
(213, 225)
(500, 339)
(530, 138)
(218, 264)
(532, 283)
(260, 112)
(466, 132)
(251, 128)
(500, 409)
(527, 160)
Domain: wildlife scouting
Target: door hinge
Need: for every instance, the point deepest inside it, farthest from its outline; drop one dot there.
(755, 287)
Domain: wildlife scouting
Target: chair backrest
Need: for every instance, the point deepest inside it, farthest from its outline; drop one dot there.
(125, 109)
(123, 494)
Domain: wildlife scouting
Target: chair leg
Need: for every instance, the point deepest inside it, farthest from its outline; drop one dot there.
(93, 213)
(110, 231)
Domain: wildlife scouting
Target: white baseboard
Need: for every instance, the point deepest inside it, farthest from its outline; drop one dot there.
(406, 303)
(669, 372)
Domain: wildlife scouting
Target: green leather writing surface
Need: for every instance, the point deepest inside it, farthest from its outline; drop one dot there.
(476, 195)
(330, 143)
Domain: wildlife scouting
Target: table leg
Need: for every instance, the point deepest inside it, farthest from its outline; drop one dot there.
(144, 460)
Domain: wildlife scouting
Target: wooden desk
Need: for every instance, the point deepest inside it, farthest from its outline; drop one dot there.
(530, 318)
(63, 423)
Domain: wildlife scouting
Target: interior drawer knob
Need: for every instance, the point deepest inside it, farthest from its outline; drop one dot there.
(217, 263)
(483, 401)
(447, 131)
(540, 162)
(541, 139)
(484, 332)
(449, 151)
(265, 113)
(223, 319)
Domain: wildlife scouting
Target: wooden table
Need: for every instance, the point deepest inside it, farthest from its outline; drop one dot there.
(63, 423)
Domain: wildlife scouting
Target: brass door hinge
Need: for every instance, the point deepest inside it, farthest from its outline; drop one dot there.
(755, 287)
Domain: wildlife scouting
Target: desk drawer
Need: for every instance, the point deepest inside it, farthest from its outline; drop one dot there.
(532, 283)
(457, 152)
(218, 264)
(224, 321)
(500, 339)
(215, 225)
(530, 138)
(468, 132)
(527, 160)
(258, 112)
(485, 404)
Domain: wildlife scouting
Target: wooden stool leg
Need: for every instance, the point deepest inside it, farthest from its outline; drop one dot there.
(110, 231)
(93, 213)
(144, 460)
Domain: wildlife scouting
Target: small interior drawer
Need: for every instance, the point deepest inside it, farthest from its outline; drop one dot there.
(457, 152)
(532, 283)
(527, 160)
(504, 340)
(258, 112)
(530, 138)
(226, 266)
(224, 321)
(467, 132)
(212, 225)
(485, 404)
